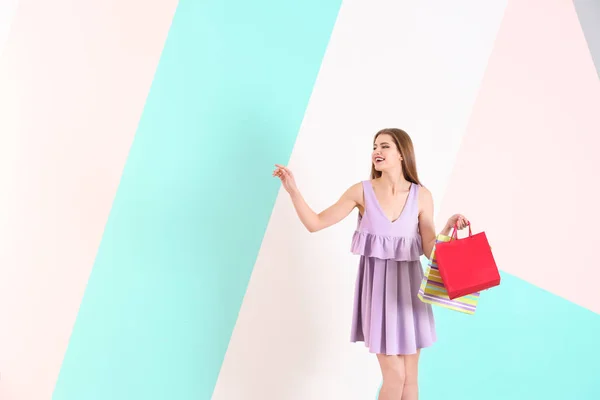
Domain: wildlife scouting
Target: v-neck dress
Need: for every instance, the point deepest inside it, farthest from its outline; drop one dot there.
(388, 316)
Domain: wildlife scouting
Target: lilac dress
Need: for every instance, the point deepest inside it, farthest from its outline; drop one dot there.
(388, 316)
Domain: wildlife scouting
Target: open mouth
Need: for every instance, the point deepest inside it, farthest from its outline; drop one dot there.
(379, 160)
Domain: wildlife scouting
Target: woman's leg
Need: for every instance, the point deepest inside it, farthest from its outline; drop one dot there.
(392, 370)
(411, 368)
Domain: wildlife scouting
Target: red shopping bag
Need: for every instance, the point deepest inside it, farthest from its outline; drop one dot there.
(467, 265)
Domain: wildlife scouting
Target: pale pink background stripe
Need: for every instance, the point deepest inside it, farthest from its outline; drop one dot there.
(74, 77)
(527, 170)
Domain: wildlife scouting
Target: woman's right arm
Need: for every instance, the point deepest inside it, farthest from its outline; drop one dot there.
(313, 221)
(335, 213)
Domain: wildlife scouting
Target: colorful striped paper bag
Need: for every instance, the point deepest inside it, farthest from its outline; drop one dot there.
(432, 288)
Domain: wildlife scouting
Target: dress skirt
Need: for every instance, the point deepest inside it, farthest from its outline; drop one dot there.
(388, 316)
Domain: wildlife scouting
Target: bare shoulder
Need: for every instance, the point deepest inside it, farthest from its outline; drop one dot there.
(425, 194)
(355, 192)
(425, 198)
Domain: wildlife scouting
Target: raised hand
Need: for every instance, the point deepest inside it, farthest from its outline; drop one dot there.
(287, 178)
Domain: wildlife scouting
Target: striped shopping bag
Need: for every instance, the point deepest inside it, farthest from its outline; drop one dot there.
(432, 288)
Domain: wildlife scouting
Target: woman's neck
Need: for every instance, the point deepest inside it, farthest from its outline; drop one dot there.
(394, 181)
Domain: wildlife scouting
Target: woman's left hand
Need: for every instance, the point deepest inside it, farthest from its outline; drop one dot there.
(459, 220)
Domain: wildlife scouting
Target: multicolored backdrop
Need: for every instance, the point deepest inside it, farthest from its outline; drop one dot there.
(147, 253)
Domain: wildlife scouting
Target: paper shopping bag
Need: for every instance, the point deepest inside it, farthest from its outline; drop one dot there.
(432, 288)
(467, 265)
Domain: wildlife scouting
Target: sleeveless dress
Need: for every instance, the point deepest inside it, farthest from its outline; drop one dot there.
(388, 316)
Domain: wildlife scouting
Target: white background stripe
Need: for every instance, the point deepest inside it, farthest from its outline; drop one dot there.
(8, 8)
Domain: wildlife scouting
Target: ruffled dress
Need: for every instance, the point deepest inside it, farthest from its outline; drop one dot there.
(388, 316)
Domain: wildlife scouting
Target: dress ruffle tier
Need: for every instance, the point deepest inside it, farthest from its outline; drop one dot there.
(397, 248)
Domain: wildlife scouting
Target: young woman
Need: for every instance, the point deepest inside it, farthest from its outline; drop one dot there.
(395, 227)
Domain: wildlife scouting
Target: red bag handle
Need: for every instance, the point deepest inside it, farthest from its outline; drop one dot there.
(455, 230)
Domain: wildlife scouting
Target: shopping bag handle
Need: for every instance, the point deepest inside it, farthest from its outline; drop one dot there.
(455, 230)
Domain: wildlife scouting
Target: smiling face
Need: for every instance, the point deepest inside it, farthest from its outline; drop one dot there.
(385, 154)
(393, 152)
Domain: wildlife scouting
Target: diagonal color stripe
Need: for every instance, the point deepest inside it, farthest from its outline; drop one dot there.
(588, 12)
(412, 64)
(189, 216)
(73, 80)
(8, 8)
(528, 160)
(511, 347)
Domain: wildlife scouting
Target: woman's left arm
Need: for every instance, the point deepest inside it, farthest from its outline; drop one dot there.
(427, 226)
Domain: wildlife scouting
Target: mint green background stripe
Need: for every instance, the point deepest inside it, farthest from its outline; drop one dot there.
(523, 343)
(188, 219)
